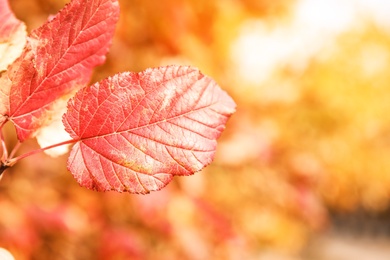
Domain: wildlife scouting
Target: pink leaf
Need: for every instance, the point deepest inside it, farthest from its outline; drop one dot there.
(12, 36)
(12, 41)
(135, 131)
(58, 58)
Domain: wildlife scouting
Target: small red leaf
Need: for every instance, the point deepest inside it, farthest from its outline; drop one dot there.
(59, 57)
(134, 131)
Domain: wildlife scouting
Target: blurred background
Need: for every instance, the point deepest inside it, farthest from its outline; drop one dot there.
(302, 170)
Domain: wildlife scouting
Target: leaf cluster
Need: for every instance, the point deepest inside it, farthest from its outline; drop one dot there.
(130, 132)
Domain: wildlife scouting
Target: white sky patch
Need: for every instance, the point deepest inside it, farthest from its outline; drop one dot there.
(12, 48)
(261, 49)
(330, 16)
(5, 254)
(54, 132)
(378, 10)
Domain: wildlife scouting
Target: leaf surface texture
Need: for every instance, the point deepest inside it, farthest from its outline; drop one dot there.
(135, 131)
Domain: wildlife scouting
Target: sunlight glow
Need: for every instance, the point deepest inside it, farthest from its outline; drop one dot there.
(261, 49)
(378, 11)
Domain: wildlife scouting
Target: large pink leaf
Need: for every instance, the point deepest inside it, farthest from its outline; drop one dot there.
(59, 57)
(135, 131)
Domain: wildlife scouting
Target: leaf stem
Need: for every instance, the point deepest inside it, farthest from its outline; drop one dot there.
(12, 161)
(15, 149)
(4, 156)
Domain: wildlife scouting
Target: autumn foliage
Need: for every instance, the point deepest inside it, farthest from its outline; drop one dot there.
(131, 132)
(309, 141)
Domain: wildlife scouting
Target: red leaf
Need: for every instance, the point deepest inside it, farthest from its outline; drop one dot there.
(59, 57)
(134, 131)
